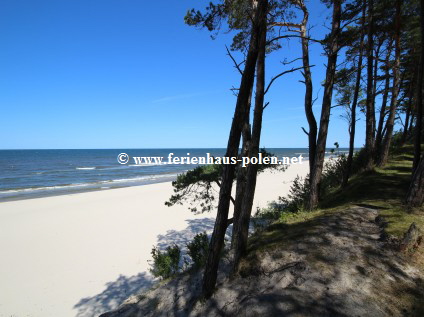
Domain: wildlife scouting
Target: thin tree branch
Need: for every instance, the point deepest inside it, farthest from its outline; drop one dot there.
(294, 25)
(281, 74)
(293, 35)
(219, 185)
(291, 62)
(237, 66)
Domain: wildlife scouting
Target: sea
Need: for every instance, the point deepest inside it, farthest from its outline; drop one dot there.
(38, 173)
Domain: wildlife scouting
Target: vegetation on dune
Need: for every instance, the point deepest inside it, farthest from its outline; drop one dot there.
(331, 240)
(379, 41)
(374, 71)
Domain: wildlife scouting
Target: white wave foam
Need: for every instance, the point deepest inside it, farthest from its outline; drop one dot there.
(58, 187)
(42, 188)
(147, 164)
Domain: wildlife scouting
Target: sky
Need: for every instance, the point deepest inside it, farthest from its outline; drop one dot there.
(130, 74)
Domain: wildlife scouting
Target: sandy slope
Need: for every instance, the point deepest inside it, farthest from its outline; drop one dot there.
(333, 265)
(83, 254)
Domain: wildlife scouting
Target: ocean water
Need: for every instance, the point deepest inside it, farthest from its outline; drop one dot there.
(37, 173)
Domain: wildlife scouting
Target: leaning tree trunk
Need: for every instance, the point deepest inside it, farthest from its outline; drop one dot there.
(241, 172)
(370, 111)
(419, 107)
(307, 75)
(352, 129)
(374, 91)
(333, 49)
(415, 195)
(241, 226)
(241, 111)
(396, 83)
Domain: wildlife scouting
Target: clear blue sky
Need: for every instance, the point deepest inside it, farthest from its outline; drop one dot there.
(131, 74)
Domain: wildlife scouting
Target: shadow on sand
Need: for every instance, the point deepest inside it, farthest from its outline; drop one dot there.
(124, 286)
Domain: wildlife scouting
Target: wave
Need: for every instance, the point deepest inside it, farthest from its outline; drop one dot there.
(92, 184)
(86, 168)
(150, 177)
(42, 188)
(147, 164)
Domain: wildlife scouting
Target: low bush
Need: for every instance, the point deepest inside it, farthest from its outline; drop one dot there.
(294, 202)
(165, 263)
(296, 198)
(333, 173)
(198, 248)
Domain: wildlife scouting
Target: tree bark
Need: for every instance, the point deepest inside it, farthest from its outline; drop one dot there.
(396, 88)
(370, 111)
(379, 136)
(408, 114)
(307, 75)
(352, 129)
(241, 172)
(419, 104)
(411, 122)
(415, 195)
(241, 111)
(241, 227)
(333, 49)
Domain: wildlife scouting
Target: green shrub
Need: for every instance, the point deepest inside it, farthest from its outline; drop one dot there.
(165, 264)
(289, 206)
(331, 178)
(265, 216)
(296, 198)
(333, 173)
(198, 248)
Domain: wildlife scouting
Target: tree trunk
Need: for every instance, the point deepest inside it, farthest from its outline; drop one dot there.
(396, 88)
(419, 107)
(241, 172)
(415, 195)
(408, 113)
(312, 134)
(241, 227)
(411, 122)
(333, 49)
(352, 129)
(379, 136)
(370, 111)
(241, 111)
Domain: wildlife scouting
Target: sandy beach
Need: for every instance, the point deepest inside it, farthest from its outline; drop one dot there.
(83, 254)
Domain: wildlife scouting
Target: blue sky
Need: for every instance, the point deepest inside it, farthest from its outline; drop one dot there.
(131, 74)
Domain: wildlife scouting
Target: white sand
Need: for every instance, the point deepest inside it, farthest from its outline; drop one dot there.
(83, 254)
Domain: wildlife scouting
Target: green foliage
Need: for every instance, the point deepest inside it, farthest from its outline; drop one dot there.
(195, 186)
(265, 216)
(331, 179)
(165, 264)
(297, 196)
(292, 206)
(198, 249)
(332, 175)
(236, 15)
